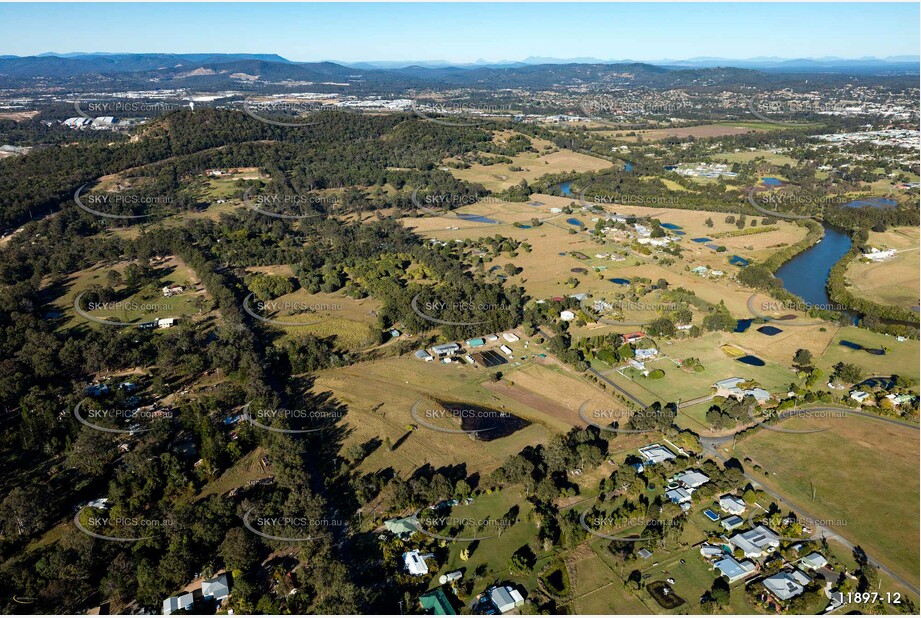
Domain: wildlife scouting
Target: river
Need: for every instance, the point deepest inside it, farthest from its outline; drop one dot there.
(806, 274)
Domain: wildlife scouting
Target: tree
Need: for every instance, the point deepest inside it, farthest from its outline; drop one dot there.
(803, 359)
(239, 550)
(709, 222)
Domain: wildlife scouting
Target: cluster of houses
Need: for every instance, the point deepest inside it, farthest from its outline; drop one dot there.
(863, 397)
(877, 255)
(446, 352)
(214, 590)
(159, 323)
(172, 290)
(680, 488)
(754, 546)
(100, 122)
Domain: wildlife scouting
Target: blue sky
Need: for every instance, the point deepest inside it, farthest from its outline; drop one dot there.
(468, 32)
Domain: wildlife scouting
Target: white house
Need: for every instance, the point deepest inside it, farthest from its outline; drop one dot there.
(505, 598)
(859, 396)
(692, 479)
(786, 585)
(216, 588)
(423, 355)
(415, 563)
(656, 453)
(643, 354)
(166, 322)
(732, 522)
(567, 315)
(814, 561)
(756, 542)
(678, 495)
(510, 337)
(174, 604)
(507, 350)
(733, 569)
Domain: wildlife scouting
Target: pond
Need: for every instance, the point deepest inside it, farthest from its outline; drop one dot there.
(738, 261)
(477, 218)
(872, 202)
(742, 326)
(770, 331)
(566, 188)
(620, 281)
(574, 221)
(774, 182)
(701, 240)
(748, 359)
(671, 226)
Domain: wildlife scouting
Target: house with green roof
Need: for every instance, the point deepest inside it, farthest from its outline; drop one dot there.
(436, 602)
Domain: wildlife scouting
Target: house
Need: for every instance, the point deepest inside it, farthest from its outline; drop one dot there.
(756, 542)
(394, 333)
(216, 588)
(402, 528)
(716, 273)
(166, 322)
(733, 569)
(656, 453)
(507, 350)
(900, 399)
(174, 604)
(643, 354)
(579, 297)
(634, 337)
(445, 349)
(95, 390)
(786, 585)
(692, 479)
(492, 338)
(875, 255)
(435, 602)
(859, 396)
(636, 364)
(731, 387)
(505, 598)
(510, 337)
(710, 551)
(700, 270)
(172, 290)
(423, 355)
(415, 563)
(476, 343)
(814, 561)
(678, 495)
(732, 504)
(732, 522)
(567, 315)
(644, 553)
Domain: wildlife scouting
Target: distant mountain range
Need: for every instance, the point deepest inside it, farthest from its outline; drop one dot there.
(260, 71)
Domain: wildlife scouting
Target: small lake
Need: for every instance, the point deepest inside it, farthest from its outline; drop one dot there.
(701, 240)
(477, 218)
(574, 221)
(748, 359)
(872, 202)
(742, 326)
(671, 226)
(805, 275)
(773, 182)
(620, 281)
(628, 167)
(566, 188)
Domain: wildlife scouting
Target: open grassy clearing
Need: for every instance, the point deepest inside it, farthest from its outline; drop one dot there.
(146, 305)
(894, 281)
(380, 395)
(859, 457)
(499, 176)
(706, 130)
(901, 357)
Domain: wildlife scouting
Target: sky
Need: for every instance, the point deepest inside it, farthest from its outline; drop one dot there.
(468, 32)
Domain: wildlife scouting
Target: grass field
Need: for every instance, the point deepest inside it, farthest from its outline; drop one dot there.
(499, 177)
(703, 131)
(859, 457)
(148, 304)
(895, 281)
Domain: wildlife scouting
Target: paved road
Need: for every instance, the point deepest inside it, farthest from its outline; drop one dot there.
(618, 388)
(711, 445)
